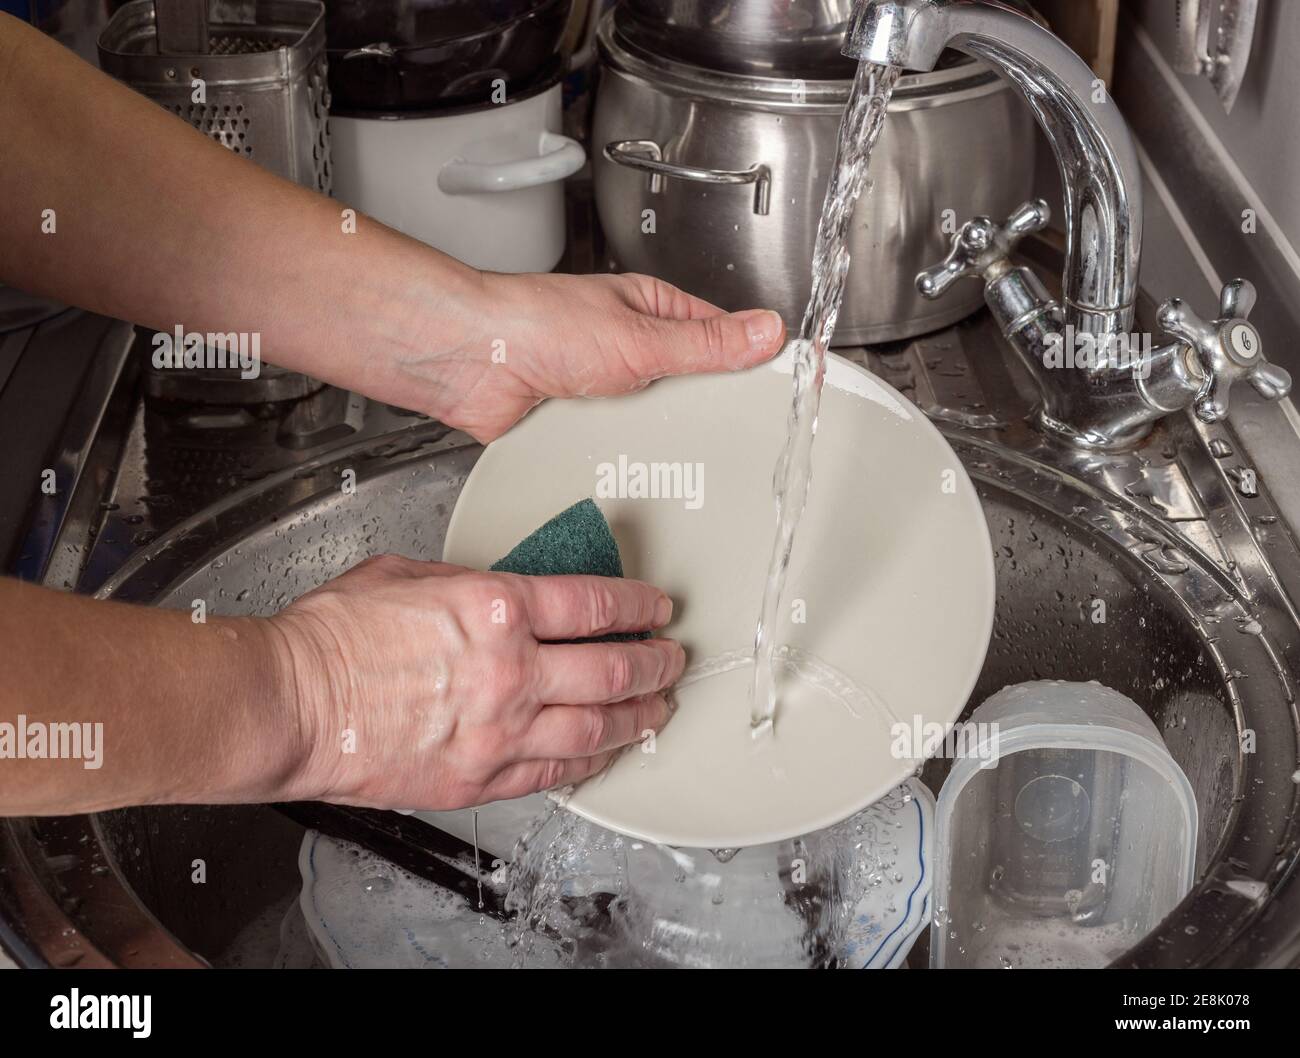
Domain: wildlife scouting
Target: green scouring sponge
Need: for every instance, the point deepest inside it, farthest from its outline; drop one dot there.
(577, 540)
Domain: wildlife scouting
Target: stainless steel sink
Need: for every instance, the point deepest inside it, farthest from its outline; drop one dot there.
(1156, 572)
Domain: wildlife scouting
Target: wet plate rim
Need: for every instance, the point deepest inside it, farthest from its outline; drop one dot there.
(886, 414)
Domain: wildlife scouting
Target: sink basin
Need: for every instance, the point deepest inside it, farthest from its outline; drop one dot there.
(1080, 597)
(1156, 572)
(1052, 576)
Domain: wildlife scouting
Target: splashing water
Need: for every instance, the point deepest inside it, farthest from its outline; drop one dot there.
(588, 897)
(864, 117)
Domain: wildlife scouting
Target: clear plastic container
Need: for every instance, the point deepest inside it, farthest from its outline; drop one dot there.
(1063, 835)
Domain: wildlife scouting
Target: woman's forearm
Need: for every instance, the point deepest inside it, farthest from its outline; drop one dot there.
(104, 705)
(124, 209)
(110, 203)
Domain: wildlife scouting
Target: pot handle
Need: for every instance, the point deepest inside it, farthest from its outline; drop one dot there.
(646, 156)
(560, 157)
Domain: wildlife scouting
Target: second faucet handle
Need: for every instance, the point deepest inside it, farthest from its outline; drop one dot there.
(1227, 350)
(980, 245)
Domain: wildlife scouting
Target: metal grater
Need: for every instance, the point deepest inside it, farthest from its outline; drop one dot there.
(266, 99)
(263, 73)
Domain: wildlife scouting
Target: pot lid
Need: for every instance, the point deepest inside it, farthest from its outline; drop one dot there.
(953, 79)
(546, 78)
(389, 27)
(791, 39)
(420, 56)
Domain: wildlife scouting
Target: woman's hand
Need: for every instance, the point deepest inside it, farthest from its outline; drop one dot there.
(426, 685)
(529, 337)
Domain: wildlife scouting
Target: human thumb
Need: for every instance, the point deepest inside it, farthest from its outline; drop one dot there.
(725, 342)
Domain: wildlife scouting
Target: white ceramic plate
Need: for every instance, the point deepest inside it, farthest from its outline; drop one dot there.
(891, 584)
(892, 915)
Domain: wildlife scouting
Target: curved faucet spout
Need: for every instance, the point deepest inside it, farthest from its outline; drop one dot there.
(1101, 183)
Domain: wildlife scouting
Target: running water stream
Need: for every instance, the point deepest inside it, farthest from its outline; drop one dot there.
(864, 117)
(569, 882)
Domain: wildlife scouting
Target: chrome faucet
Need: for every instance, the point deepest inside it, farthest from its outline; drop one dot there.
(1101, 385)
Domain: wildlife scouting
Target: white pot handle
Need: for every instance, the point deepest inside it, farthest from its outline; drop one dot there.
(560, 157)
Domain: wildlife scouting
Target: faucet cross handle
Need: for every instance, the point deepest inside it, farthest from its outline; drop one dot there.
(1226, 350)
(982, 247)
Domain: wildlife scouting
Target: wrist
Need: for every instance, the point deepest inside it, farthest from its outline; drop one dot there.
(433, 324)
(459, 341)
(282, 714)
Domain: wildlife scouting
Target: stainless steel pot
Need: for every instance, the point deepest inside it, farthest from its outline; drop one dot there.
(714, 181)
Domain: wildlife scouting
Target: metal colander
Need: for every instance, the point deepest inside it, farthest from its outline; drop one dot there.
(265, 91)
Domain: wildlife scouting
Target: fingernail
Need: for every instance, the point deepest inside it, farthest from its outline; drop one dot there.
(663, 611)
(673, 664)
(762, 328)
(679, 660)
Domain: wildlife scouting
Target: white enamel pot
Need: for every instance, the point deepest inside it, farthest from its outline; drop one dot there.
(484, 185)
